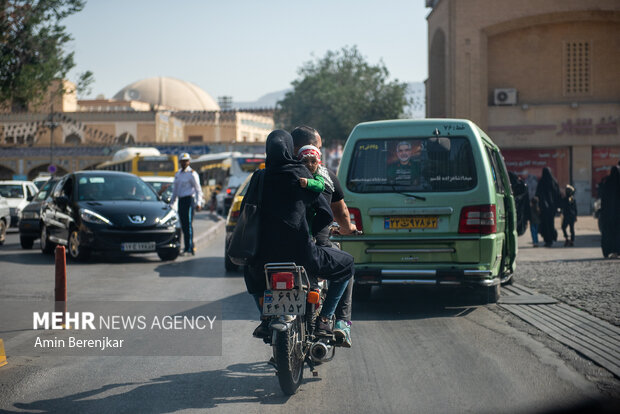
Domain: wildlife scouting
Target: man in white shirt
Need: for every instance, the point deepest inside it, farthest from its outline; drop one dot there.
(187, 189)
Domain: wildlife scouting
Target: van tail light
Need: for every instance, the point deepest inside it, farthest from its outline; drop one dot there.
(478, 219)
(356, 218)
(282, 281)
(235, 214)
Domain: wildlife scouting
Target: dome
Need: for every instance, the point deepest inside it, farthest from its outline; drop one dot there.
(169, 92)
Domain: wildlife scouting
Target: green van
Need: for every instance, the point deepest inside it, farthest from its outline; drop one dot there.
(433, 200)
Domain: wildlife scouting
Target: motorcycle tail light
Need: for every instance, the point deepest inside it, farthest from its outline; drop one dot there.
(313, 297)
(282, 281)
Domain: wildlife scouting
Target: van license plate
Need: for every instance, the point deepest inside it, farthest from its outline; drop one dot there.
(284, 302)
(410, 222)
(138, 247)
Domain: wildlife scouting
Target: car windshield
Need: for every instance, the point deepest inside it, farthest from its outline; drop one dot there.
(12, 190)
(45, 190)
(114, 187)
(158, 185)
(420, 164)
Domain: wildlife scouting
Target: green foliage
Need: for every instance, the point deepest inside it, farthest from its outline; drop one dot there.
(32, 51)
(335, 93)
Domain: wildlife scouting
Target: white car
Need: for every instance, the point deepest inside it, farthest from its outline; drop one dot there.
(163, 187)
(5, 218)
(41, 180)
(18, 194)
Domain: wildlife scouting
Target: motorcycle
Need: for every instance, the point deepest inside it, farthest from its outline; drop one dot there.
(291, 303)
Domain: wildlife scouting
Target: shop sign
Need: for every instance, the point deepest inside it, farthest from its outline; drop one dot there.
(586, 126)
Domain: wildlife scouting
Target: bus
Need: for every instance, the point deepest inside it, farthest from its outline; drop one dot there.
(221, 174)
(142, 161)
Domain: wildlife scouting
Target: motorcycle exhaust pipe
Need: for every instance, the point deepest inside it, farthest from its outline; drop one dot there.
(319, 351)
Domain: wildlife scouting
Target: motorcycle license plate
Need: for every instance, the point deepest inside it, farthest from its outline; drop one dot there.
(284, 302)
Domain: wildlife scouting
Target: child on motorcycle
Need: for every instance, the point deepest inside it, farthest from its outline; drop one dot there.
(311, 158)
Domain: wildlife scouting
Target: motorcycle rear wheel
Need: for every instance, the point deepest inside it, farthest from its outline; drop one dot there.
(289, 354)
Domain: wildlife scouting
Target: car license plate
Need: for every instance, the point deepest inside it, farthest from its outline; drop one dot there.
(138, 247)
(411, 222)
(284, 302)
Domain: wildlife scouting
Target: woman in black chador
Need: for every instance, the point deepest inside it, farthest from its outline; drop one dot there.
(284, 234)
(610, 213)
(549, 198)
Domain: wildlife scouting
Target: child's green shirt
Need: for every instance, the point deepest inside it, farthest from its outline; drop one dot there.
(316, 184)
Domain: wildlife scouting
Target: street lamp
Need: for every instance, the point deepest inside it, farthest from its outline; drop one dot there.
(52, 125)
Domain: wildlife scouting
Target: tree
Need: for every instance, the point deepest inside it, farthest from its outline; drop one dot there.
(335, 93)
(32, 53)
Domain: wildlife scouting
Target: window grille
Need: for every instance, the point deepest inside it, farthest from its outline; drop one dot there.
(577, 79)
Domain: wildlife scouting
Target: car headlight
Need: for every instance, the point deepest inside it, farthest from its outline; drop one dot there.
(30, 215)
(92, 217)
(170, 219)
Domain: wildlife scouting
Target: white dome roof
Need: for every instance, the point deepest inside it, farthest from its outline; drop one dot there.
(170, 92)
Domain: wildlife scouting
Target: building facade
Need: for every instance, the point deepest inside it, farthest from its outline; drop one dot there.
(541, 77)
(172, 115)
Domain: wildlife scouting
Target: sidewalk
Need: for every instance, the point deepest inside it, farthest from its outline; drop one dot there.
(578, 276)
(587, 243)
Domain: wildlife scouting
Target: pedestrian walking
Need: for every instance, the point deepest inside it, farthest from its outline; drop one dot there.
(549, 197)
(534, 220)
(569, 215)
(610, 213)
(187, 189)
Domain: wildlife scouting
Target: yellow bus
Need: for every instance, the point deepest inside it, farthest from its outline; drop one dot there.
(142, 161)
(223, 173)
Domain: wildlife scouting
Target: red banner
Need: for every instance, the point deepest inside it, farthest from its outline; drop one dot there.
(603, 158)
(528, 164)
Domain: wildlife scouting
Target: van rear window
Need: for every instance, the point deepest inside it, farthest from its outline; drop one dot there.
(427, 164)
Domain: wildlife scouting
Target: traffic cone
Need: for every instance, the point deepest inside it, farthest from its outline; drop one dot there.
(3, 361)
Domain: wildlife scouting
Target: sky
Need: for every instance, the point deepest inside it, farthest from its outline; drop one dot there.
(241, 48)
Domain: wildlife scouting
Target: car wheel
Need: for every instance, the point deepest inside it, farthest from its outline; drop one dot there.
(26, 242)
(228, 265)
(168, 254)
(77, 252)
(47, 246)
(2, 231)
(362, 292)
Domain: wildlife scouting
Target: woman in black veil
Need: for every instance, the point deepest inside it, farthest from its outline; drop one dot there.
(549, 198)
(610, 213)
(285, 236)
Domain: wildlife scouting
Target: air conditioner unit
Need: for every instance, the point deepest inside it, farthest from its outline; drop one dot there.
(505, 96)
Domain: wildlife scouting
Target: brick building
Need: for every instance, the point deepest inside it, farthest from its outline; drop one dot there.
(540, 76)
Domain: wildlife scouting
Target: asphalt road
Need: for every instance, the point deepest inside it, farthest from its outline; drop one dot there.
(414, 350)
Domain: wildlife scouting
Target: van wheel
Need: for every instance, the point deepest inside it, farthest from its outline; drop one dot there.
(362, 292)
(491, 294)
(77, 252)
(2, 231)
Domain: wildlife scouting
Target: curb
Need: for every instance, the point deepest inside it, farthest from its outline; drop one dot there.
(3, 361)
(211, 231)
